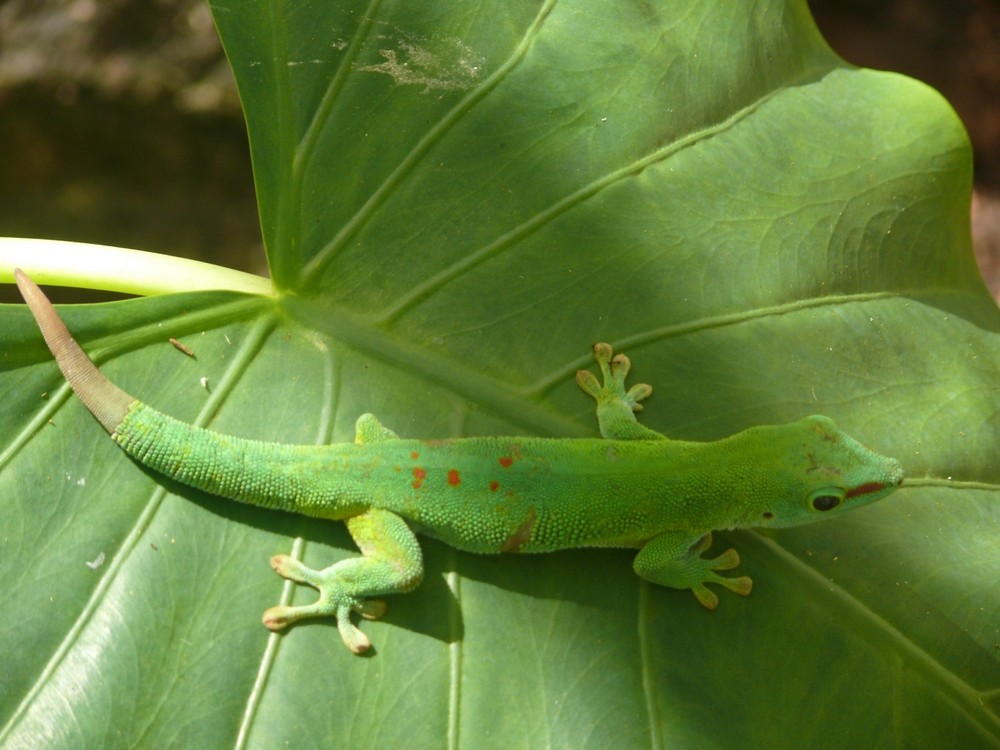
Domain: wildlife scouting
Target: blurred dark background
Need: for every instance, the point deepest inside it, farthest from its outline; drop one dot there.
(122, 125)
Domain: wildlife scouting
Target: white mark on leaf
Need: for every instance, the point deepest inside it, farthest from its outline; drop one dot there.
(98, 562)
(442, 64)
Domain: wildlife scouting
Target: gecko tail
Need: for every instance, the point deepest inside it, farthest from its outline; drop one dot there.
(106, 401)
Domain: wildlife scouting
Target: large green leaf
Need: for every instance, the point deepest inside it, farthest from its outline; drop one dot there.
(457, 199)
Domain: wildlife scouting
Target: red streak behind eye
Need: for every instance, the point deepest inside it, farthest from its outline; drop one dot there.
(864, 489)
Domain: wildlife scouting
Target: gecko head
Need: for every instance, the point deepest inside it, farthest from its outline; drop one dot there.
(820, 472)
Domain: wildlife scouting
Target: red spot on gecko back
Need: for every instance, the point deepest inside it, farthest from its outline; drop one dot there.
(494, 486)
(506, 461)
(414, 455)
(419, 475)
(453, 477)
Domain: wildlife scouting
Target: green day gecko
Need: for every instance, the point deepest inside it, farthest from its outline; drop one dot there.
(632, 487)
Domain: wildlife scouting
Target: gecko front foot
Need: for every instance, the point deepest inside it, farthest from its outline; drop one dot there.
(614, 370)
(616, 406)
(334, 600)
(728, 560)
(671, 560)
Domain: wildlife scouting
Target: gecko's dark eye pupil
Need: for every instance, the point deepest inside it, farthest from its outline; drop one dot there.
(826, 502)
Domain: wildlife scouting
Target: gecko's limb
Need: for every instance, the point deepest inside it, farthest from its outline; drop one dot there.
(670, 559)
(390, 563)
(616, 406)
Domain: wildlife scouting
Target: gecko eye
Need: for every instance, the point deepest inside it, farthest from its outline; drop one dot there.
(826, 499)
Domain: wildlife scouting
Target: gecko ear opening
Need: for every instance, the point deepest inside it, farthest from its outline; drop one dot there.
(826, 498)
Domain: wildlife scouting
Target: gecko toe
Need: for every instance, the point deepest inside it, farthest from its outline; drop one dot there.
(278, 618)
(588, 383)
(371, 609)
(602, 352)
(705, 597)
(727, 560)
(353, 638)
(742, 585)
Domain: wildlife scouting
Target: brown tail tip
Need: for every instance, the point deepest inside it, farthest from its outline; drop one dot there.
(106, 401)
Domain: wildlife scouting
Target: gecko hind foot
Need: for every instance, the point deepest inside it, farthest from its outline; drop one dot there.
(333, 600)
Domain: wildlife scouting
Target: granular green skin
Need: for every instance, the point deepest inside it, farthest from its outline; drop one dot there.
(630, 488)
